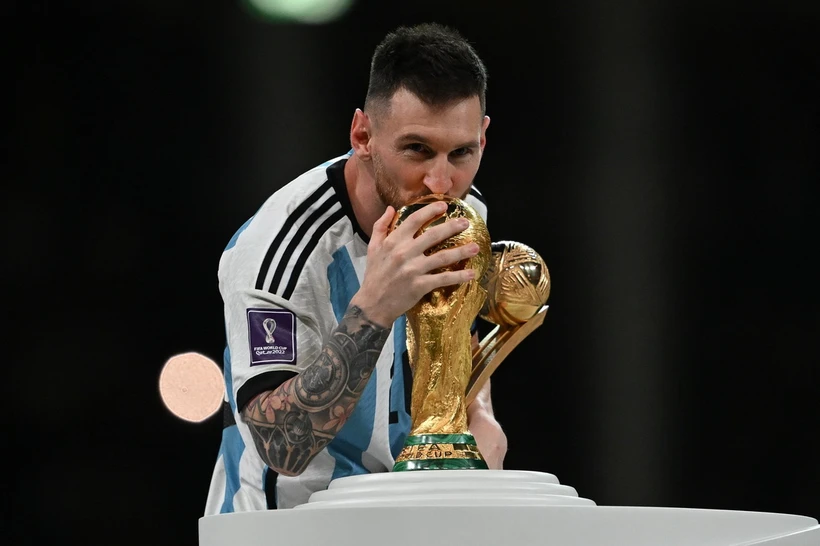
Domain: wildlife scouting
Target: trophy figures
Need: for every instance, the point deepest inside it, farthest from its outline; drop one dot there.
(446, 373)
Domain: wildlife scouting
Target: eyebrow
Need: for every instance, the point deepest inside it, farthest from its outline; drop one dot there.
(414, 137)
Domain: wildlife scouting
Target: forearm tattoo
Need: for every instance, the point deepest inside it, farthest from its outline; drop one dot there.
(294, 422)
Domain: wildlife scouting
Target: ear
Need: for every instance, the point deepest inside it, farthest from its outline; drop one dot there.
(360, 135)
(483, 140)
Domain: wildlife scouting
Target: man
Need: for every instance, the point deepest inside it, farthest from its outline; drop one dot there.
(315, 285)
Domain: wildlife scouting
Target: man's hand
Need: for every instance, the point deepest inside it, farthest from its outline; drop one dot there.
(398, 271)
(489, 436)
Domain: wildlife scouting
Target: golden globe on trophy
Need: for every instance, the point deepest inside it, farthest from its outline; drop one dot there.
(510, 290)
(518, 286)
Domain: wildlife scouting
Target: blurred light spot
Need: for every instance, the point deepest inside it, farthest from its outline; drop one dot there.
(191, 386)
(300, 11)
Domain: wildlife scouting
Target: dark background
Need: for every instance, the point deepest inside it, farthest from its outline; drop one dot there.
(662, 158)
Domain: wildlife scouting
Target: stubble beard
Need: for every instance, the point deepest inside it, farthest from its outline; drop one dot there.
(388, 191)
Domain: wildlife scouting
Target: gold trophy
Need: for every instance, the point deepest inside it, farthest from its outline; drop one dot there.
(518, 286)
(510, 288)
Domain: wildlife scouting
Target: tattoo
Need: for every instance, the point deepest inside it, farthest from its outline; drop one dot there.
(295, 421)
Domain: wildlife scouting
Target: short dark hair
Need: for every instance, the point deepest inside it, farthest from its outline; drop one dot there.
(432, 61)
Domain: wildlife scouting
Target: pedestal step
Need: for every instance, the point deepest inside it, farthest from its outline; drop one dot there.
(447, 487)
(492, 508)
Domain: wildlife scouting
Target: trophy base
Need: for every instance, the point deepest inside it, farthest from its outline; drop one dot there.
(439, 452)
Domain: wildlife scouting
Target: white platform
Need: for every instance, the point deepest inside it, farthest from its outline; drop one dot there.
(492, 507)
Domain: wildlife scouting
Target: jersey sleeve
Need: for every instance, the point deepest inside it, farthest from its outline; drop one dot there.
(274, 286)
(270, 340)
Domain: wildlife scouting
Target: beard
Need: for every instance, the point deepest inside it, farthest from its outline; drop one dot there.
(388, 190)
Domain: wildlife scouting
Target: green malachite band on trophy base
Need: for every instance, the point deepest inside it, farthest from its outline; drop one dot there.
(421, 439)
(439, 452)
(441, 464)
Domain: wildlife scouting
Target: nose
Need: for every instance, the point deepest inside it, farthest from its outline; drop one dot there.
(438, 177)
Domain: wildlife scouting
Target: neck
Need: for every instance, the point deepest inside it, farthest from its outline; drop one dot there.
(361, 188)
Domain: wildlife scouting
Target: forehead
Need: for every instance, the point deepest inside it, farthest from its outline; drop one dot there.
(407, 114)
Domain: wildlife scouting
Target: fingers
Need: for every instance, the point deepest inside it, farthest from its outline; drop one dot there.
(422, 217)
(449, 256)
(396, 258)
(447, 278)
(382, 225)
(436, 234)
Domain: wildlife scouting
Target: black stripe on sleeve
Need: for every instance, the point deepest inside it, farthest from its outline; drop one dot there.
(314, 240)
(228, 419)
(296, 240)
(270, 488)
(263, 382)
(286, 227)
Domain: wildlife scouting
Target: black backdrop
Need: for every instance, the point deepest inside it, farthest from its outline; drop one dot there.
(662, 158)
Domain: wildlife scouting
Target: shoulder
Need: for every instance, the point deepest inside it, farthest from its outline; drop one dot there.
(290, 213)
(289, 203)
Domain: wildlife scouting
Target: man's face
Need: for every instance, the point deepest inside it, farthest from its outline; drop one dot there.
(418, 150)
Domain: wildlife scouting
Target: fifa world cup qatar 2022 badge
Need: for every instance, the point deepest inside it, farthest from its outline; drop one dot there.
(272, 336)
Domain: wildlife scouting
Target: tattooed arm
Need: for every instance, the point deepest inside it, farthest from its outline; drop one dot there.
(295, 421)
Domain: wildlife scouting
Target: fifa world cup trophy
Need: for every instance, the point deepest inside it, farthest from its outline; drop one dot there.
(440, 352)
(446, 373)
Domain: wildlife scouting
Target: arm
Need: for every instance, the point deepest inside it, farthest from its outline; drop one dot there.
(295, 421)
(292, 423)
(489, 436)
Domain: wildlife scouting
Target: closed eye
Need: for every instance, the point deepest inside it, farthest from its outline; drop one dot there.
(417, 148)
(464, 153)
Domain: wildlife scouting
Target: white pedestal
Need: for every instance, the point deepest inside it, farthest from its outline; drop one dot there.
(491, 507)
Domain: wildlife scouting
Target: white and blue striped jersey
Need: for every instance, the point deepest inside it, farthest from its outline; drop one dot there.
(286, 279)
